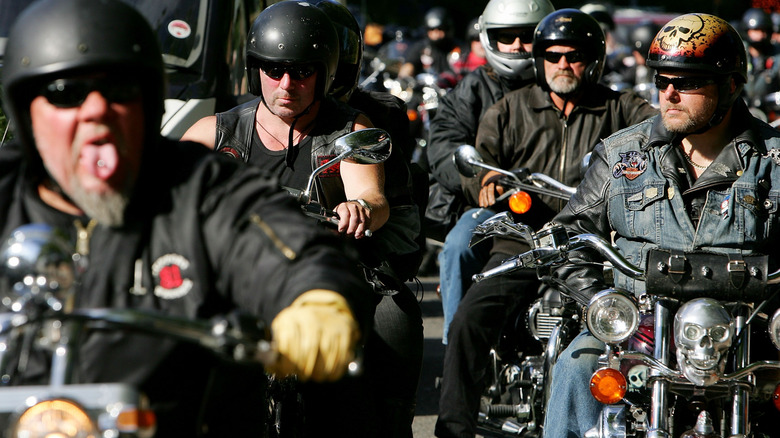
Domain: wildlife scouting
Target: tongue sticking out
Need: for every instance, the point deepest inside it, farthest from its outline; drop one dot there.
(100, 160)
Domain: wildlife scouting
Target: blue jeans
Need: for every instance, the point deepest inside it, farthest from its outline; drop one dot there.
(571, 410)
(458, 262)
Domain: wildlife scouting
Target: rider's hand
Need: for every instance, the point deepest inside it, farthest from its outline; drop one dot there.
(354, 219)
(490, 187)
(315, 337)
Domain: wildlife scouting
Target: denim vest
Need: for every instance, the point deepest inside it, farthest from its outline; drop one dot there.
(645, 202)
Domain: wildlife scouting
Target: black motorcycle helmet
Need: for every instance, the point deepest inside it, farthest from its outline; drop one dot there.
(438, 18)
(350, 47)
(703, 43)
(56, 38)
(570, 27)
(757, 18)
(642, 36)
(293, 32)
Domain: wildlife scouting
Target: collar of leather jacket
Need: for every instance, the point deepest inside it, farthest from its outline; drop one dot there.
(594, 99)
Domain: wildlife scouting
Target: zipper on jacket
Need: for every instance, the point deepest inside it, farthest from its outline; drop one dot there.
(83, 234)
(275, 239)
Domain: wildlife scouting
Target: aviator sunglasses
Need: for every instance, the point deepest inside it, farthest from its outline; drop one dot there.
(571, 57)
(683, 84)
(296, 72)
(70, 93)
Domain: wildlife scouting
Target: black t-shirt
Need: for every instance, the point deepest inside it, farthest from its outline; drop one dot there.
(275, 162)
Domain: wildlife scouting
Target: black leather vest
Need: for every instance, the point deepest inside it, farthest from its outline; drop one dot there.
(235, 129)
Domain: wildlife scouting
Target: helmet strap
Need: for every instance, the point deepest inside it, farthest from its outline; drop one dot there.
(726, 100)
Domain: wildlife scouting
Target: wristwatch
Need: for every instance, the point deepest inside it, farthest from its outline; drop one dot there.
(362, 203)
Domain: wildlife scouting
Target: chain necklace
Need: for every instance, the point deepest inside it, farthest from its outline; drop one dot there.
(296, 140)
(690, 160)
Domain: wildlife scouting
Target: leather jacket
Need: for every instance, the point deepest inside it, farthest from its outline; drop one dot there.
(525, 129)
(204, 235)
(457, 119)
(638, 189)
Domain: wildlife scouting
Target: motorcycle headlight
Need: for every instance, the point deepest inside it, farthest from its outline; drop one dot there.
(54, 418)
(774, 329)
(612, 316)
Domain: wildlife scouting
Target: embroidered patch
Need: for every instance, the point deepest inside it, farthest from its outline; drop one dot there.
(631, 165)
(330, 172)
(724, 206)
(774, 154)
(167, 271)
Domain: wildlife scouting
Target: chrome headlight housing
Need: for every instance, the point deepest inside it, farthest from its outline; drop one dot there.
(612, 316)
(774, 329)
(55, 418)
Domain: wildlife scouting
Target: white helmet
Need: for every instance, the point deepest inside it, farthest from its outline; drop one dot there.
(501, 14)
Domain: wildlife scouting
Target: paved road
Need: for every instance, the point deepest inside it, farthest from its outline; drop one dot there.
(433, 356)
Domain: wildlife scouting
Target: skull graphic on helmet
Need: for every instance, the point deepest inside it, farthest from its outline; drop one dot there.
(703, 332)
(678, 31)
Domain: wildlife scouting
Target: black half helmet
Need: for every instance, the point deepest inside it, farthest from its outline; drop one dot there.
(57, 38)
(706, 44)
(570, 27)
(350, 46)
(293, 32)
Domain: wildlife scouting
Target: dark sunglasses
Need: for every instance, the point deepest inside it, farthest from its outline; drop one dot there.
(70, 93)
(296, 72)
(571, 57)
(683, 84)
(508, 36)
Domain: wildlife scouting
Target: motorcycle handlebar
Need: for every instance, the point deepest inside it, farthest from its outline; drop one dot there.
(550, 255)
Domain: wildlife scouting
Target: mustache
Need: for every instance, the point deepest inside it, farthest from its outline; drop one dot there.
(563, 73)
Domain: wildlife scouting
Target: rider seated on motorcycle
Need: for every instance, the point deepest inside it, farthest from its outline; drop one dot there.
(289, 130)
(547, 127)
(289, 127)
(700, 176)
(505, 30)
(161, 225)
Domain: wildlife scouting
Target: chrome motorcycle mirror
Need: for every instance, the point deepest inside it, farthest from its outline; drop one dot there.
(36, 270)
(468, 161)
(364, 146)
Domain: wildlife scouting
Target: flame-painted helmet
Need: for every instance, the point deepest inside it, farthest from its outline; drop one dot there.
(293, 32)
(707, 44)
(502, 14)
(570, 27)
(350, 46)
(52, 39)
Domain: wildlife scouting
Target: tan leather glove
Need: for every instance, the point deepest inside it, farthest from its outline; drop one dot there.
(315, 337)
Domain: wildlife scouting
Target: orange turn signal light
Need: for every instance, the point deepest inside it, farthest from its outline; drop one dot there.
(411, 114)
(608, 385)
(137, 421)
(520, 202)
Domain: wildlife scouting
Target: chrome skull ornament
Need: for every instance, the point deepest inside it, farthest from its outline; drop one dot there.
(703, 332)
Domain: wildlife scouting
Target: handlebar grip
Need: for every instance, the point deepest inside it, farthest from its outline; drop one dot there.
(509, 265)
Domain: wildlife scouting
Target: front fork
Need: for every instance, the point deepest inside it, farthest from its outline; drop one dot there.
(658, 426)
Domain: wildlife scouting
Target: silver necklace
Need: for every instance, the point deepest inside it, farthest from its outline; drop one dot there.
(690, 160)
